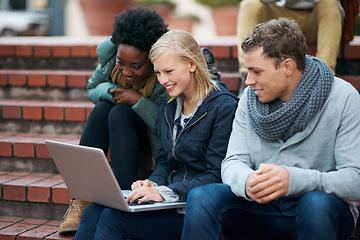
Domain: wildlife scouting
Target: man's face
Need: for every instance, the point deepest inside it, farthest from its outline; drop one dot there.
(268, 81)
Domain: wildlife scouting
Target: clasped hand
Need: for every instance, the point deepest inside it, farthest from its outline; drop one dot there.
(125, 95)
(267, 183)
(144, 190)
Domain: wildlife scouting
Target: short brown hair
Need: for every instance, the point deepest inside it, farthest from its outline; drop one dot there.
(280, 39)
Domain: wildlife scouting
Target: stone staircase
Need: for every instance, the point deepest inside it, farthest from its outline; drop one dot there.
(43, 96)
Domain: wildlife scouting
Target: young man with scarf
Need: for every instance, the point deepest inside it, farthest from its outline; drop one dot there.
(292, 168)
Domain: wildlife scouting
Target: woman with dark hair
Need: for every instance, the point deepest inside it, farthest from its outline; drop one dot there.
(126, 94)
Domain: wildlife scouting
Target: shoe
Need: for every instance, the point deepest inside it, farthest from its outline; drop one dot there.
(72, 216)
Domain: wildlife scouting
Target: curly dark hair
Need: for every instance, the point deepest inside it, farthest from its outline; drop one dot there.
(139, 27)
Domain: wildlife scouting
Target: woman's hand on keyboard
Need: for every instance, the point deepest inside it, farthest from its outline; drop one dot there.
(145, 193)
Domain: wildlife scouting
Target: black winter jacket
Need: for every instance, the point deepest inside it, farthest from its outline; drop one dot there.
(200, 147)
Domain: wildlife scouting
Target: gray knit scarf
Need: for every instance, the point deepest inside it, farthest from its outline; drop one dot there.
(276, 120)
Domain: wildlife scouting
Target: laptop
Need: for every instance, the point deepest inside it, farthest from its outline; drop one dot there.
(89, 177)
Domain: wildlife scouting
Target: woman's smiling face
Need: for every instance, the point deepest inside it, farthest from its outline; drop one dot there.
(133, 63)
(175, 74)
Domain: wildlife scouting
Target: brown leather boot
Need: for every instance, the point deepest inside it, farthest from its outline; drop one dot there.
(72, 216)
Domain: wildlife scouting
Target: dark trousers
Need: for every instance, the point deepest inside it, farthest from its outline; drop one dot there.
(117, 126)
(213, 210)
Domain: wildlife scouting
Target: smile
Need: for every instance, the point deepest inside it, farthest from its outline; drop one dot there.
(170, 86)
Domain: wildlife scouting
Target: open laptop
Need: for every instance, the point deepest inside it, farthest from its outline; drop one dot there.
(88, 176)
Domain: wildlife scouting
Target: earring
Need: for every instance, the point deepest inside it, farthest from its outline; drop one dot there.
(192, 70)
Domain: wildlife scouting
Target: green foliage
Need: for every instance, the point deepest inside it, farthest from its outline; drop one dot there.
(218, 3)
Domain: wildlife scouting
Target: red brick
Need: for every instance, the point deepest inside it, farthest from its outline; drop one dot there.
(221, 51)
(40, 191)
(77, 81)
(37, 80)
(61, 194)
(24, 149)
(57, 236)
(42, 51)
(53, 223)
(23, 51)
(60, 51)
(16, 189)
(41, 151)
(79, 51)
(75, 114)
(231, 80)
(32, 113)
(58, 80)
(7, 50)
(5, 224)
(351, 52)
(15, 193)
(53, 113)
(11, 112)
(6, 149)
(12, 231)
(235, 52)
(88, 110)
(38, 233)
(17, 79)
(10, 219)
(3, 79)
(93, 51)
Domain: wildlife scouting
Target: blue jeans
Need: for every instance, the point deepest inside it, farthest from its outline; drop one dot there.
(102, 223)
(213, 210)
(117, 126)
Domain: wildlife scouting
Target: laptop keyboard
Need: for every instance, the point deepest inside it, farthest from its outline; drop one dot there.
(135, 203)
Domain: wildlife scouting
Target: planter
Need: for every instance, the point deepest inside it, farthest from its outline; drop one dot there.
(225, 19)
(183, 23)
(99, 14)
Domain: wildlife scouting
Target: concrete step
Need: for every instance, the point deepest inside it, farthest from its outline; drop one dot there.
(38, 116)
(30, 229)
(44, 84)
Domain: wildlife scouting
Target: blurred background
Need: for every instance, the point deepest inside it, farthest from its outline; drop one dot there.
(83, 18)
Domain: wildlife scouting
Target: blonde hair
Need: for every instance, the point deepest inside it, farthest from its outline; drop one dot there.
(186, 47)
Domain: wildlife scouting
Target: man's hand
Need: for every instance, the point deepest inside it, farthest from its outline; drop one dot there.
(123, 95)
(268, 183)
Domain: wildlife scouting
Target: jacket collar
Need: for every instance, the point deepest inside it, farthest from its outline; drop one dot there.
(207, 104)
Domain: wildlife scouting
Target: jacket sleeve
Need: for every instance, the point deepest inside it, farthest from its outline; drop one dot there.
(237, 158)
(215, 150)
(148, 108)
(100, 84)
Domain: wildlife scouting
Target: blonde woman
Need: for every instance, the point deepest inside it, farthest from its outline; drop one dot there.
(194, 124)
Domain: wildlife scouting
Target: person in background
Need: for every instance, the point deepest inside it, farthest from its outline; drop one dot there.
(292, 168)
(194, 125)
(319, 20)
(126, 94)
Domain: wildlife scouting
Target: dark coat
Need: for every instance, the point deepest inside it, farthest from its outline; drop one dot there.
(199, 148)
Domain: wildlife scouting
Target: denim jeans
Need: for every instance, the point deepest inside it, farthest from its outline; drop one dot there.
(213, 210)
(102, 223)
(117, 126)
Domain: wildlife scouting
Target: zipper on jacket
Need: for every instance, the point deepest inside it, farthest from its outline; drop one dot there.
(174, 143)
